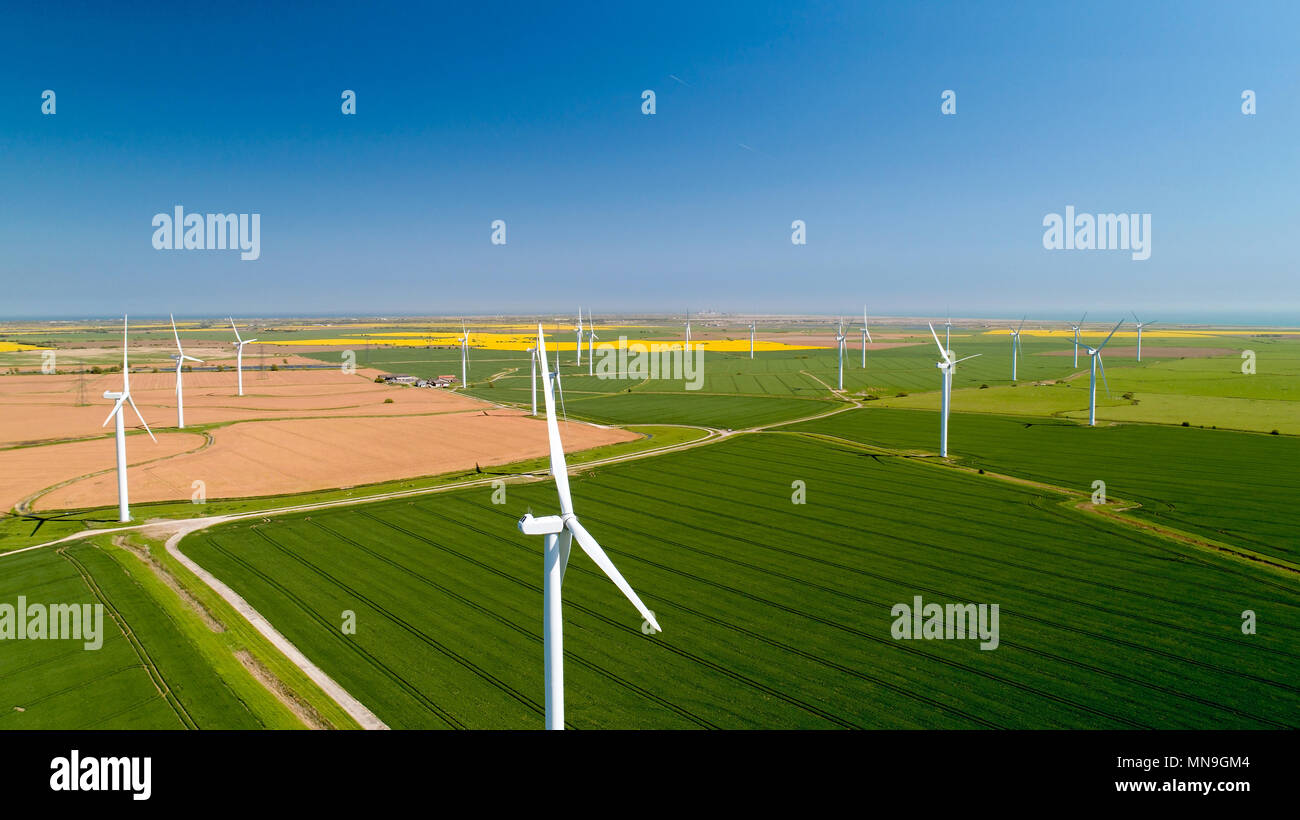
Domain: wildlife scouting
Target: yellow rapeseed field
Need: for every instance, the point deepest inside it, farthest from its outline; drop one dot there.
(521, 342)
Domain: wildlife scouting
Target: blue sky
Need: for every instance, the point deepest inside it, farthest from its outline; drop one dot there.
(825, 112)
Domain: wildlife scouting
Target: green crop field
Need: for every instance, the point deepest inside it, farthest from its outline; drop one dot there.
(146, 675)
(775, 614)
(1233, 487)
(734, 412)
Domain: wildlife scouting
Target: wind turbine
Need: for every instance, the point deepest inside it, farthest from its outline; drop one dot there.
(751, 340)
(239, 355)
(866, 337)
(559, 532)
(464, 356)
(947, 332)
(946, 369)
(1075, 328)
(840, 345)
(1140, 325)
(688, 331)
(123, 503)
(532, 359)
(591, 345)
(578, 328)
(1095, 354)
(180, 358)
(1015, 346)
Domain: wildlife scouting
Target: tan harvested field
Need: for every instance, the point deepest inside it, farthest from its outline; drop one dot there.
(293, 431)
(280, 457)
(43, 408)
(26, 470)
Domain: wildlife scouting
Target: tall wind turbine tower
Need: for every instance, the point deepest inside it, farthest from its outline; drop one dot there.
(1141, 324)
(1015, 346)
(123, 398)
(180, 358)
(1076, 328)
(1094, 354)
(866, 337)
(558, 533)
(239, 355)
(841, 345)
(751, 340)
(464, 356)
(591, 345)
(947, 366)
(578, 329)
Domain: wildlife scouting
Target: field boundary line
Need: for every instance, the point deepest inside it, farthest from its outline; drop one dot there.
(24, 507)
(355, 709)
(142, 654)
(1115, 509)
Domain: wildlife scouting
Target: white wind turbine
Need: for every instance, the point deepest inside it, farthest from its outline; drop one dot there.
(532, 359)
(591, 344)
(123, 502)
(1015, 346)
(180, 358)
(688, 331)
(866, 337)
(841, 346)
(1141, 324)
(1094, 353)
(558, 532)
(578, 328)
(947, 331)
(1076, 328)
(239, 355)
(751, 340)
(464, 357)
(946, 368)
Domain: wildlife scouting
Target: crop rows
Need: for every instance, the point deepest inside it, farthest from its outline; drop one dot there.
(776, 614)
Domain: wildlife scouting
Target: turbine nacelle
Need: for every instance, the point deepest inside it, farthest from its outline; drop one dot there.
(546, 525)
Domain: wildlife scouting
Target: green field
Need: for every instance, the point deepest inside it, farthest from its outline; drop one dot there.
(146, 675)
(1234, 487)
(776, 615)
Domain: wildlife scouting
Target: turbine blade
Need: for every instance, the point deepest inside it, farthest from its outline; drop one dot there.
(177, 335)
(593, 549)
(943, 353)
(559, 469)
(126, 367)
(975, 356)
(232, 327)
(565, 545)
(1022, 323)
(111, 412)
(1112, 333)
(142, 421)
(1102, 367)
